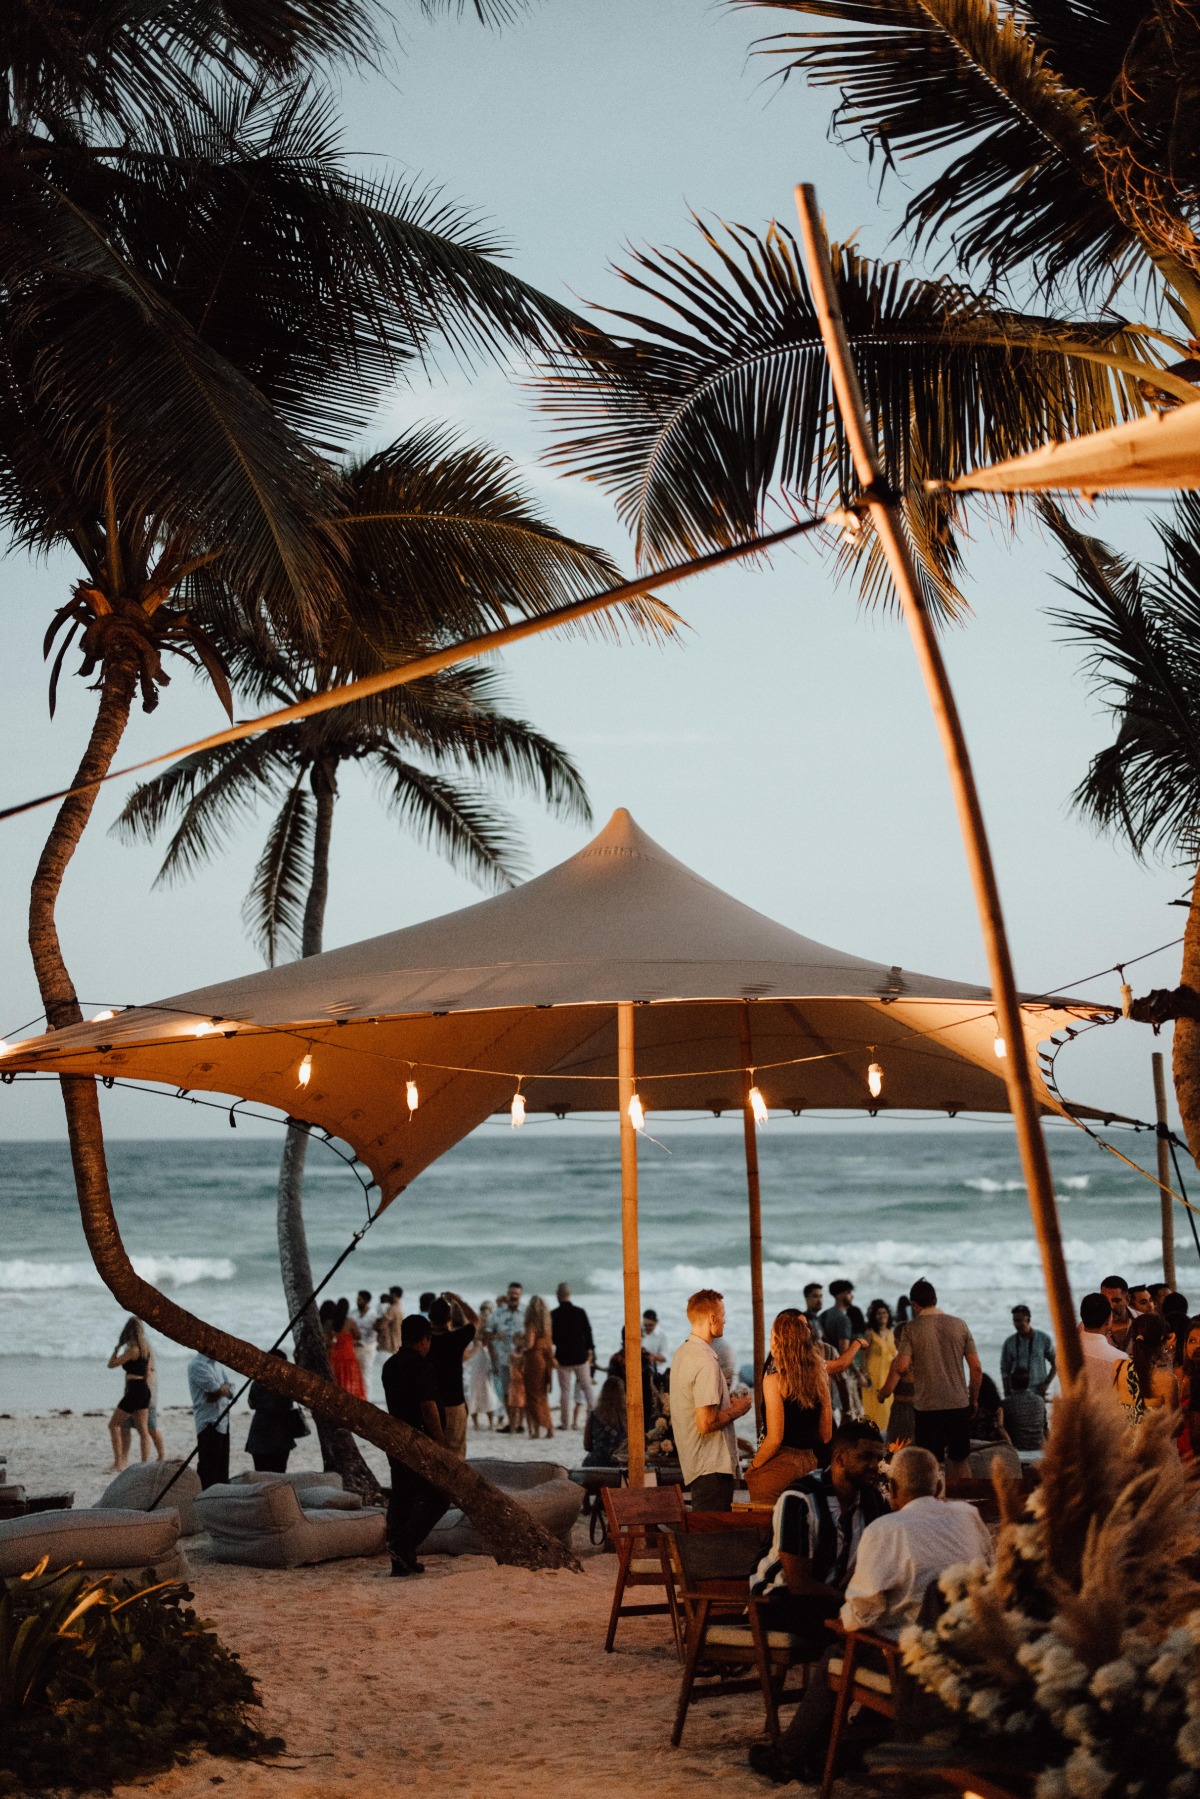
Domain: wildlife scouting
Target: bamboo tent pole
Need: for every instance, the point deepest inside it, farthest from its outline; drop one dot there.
(1164, 1169)
(884, 514)
(635, 1422)
(754, 1200)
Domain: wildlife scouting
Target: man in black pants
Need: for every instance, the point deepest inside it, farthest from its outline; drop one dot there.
(410, 1388)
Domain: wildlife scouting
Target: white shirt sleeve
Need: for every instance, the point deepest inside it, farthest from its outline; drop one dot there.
(875, 1573)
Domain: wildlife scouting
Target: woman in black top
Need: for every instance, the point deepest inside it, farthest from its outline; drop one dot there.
(798, 1408)
(133, 1355)
(276, 1424)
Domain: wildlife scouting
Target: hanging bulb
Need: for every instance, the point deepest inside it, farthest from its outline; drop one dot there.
(758, 1106)
(304, 1072)
(1126, 999)
(204, 1029)
(875, 1080)
(99, 1017)
(412, 1097)
(1000, 1047)
(637, 1115)
(517, 1110)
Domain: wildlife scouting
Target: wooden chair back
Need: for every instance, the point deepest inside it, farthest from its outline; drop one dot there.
(636, 1516)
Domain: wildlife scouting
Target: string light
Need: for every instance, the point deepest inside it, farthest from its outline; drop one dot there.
(204, 1029)
(99, 1017)
(1126, 998)
(637, 1114)
(304, 1072)
(412, 1097)
(758, 1106)
(1000, 1046)
(875, 1080)
(517, 1109)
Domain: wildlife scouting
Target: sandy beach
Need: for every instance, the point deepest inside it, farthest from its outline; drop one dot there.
(483, 1681)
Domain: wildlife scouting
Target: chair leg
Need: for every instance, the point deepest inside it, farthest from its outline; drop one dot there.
(695, 1643)
(763, 1663)
(677, 1629)
(841, 1712)
(624, 1556)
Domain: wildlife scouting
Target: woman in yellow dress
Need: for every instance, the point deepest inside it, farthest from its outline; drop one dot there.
(880, 1354)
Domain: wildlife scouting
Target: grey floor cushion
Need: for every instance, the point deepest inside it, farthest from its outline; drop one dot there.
(541, 1488)
(137, 1488)
(263, 1525)
(99, 1539)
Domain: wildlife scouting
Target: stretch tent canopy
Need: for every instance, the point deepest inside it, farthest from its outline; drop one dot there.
(1161, 450)
(524, 987)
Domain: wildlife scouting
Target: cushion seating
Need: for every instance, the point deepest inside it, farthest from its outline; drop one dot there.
(737, 1636)
(646, 1564)
(103, 1541)
(263, 1525)
(316, 1491)
(137, 1488)
(863, 1677)
(544, 1489)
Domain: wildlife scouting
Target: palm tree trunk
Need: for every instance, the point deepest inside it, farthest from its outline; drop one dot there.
(338, 1448)
(510, 1532)
(1185, 1055)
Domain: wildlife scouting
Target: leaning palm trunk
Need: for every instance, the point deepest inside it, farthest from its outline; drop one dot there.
(338, 1448)
(1185, 1057)
(512, 1535)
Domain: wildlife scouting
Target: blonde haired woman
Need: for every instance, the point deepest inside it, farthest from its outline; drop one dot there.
(538, 1367)
(799, 1412)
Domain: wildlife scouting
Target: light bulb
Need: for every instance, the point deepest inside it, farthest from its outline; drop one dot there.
(1126, 999)
(3, 1046)
(1000, 1046)
(99, 1017)
(304, 1072)
(204, 1029)
(517, 1109)
(875, 1080)
(411, 1095)
(758, 1106)
(637, 1115)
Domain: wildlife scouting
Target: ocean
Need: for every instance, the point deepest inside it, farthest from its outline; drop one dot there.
(881, 1206)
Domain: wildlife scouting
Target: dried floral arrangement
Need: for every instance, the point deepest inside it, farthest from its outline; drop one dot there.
(1073, 1665)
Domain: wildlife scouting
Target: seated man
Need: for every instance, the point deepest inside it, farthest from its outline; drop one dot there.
(1025, 1413)
(815, 1533)
(900, 1555)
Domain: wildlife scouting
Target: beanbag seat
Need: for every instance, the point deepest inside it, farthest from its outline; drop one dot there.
(138, 1487)
(543, 1489)
(104, 1540)
(317, 1491)
(263, 1525)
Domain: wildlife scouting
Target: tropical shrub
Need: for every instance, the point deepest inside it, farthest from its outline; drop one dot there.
(102, 1682)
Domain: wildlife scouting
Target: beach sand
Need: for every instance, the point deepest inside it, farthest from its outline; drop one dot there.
(476, 1681)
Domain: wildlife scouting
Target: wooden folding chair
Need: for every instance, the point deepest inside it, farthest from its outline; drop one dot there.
(855, 1682)
(726, 1626)
(634, 1515)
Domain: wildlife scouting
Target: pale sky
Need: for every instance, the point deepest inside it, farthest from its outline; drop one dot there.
(786, 751)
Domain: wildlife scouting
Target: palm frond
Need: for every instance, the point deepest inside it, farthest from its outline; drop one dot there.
(1144, 659)
(462, 824)
(274, 907)
(211, 794)
(442, 539)
(721, 403)
(931, 77)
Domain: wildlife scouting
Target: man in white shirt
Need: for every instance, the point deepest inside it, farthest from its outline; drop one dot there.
(366, 1321)
(1100, 1358)
(702, 1413)
(654, 1342)
(900, 1556)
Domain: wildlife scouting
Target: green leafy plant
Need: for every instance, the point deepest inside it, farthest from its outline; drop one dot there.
(102, 1682)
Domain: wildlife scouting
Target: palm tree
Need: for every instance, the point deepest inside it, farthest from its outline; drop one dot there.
(1141, 628)
(1065, 191)
(197, 304)
(438, 511)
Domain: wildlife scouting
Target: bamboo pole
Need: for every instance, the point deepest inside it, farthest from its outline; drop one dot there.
(884, 514)
(635, 1422)
(754, 1200)
(1164, 1169)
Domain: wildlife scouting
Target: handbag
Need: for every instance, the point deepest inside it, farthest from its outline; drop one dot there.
(298, 1423)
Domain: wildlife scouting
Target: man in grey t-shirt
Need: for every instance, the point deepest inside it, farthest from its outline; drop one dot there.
(702, 1413)
(936, 1347)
